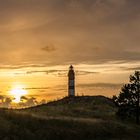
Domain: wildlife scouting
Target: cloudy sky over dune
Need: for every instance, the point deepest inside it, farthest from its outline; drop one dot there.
(40, 38)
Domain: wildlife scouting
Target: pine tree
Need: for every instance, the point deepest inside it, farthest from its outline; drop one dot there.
(128, 100)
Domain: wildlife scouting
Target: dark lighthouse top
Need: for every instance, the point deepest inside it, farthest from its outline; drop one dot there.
(71, 73)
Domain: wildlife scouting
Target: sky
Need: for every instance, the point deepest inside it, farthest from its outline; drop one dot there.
(39, 39)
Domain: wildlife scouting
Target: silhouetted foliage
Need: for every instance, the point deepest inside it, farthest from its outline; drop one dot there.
(128, 99)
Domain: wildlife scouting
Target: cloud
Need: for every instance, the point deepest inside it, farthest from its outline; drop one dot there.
(49, 48)
(131, 68)
(61, 73)
(19, 66)
(101, 85)
(82, 31)
(41, 36)
(36, 88)
(54, 72)
(134, 69)
(80, 72)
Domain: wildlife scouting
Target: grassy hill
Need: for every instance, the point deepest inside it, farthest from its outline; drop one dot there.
(79, 118)
(76, 107)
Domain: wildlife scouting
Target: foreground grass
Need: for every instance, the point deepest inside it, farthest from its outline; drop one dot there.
(29, 124)
(23, 127)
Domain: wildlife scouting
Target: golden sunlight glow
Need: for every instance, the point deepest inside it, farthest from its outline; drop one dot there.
(17, 92)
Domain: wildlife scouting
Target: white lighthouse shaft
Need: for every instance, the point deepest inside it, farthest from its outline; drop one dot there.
(71, 82)
(71, 88)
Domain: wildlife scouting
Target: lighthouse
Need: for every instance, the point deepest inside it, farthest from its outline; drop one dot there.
(71, 82)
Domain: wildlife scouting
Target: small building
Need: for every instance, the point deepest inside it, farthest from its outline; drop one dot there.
(71, 82)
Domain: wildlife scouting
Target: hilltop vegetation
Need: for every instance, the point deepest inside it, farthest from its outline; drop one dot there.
(76, 118)
(79, 107)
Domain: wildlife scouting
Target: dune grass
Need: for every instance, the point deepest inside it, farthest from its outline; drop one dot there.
(37, 124)
(79, 107)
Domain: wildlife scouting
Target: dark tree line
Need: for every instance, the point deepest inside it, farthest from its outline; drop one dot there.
(129, 98)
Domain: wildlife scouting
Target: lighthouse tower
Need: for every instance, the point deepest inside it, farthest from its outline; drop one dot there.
(71, 82)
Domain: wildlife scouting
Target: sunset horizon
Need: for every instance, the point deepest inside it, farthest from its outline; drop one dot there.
(52, 85)
(41, 38)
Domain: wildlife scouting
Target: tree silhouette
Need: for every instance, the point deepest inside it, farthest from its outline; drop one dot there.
(128, 100)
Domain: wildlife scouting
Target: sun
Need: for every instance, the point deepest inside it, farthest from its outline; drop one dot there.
(17, 92)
